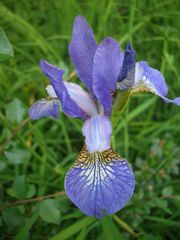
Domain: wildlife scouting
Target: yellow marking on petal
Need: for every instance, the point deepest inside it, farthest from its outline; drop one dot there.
(140, 89)
(84, 157)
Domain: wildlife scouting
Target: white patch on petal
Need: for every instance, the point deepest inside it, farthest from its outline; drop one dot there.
(138, 73)
(82, 98)
(144, 79)
(50, 91)
(141, 80)
(97, 131)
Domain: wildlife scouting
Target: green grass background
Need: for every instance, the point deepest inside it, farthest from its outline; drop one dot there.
(34, 161)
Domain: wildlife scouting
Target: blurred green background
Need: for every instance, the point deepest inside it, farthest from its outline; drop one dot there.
(35, 155)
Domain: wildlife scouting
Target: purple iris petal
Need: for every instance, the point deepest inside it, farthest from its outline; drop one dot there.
(97, 131)
(82, 49)
(176, 101)
(107, 64)
(69, 107)
(100, 184)
(126, 76)
(152, 80)
(44, 108)
(148, 75)
(83, 99)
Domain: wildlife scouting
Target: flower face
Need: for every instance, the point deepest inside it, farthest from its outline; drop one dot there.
(100, 182)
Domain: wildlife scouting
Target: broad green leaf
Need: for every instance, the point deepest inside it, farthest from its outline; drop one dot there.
(49, 211)
(15, 111)
(167, 191)
(163, 204)
(74, 228)
(13, 217)
(32, 191)
(3, 165)
(20, 187)
(17, 156)
(6, 49)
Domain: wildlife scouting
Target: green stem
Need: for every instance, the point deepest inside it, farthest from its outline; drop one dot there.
(113, 142)
(126, 134)
(119, 104)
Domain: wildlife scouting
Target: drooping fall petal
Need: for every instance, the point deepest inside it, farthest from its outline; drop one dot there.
(69, 106)
(44, 108)
(100, 184)
(153, 81)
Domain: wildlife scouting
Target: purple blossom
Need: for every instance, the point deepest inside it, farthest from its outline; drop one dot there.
(100, 182)
(141, 76)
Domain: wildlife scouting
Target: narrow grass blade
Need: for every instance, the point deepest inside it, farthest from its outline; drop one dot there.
(125, 226)
(23, 234)
(110, 230)
(165, 222)
(74, 228)
(137, 111)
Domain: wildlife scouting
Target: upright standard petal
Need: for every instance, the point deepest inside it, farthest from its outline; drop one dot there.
(127, 73)
(100, 184)
(97, 131)
(69, 107)
(107, 64)
(150, 79)
(82, 49)
(44, 108)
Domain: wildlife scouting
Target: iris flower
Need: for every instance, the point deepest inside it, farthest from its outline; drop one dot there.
(100, 182)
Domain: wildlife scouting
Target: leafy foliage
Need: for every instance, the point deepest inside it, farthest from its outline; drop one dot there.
(6, 49)
(14, 111)
(35, 155)
(49, 211)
